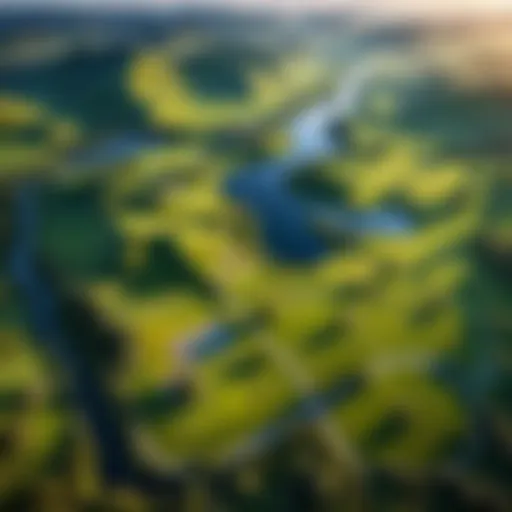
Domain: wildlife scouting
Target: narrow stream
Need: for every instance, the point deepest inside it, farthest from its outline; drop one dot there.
(43, 306)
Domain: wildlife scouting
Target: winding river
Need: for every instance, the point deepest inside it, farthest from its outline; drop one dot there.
(41, 298)
(286, 224)
(289, 224)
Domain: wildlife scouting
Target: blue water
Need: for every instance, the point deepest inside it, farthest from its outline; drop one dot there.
(292, 228)
(283, 221)
(112, 151)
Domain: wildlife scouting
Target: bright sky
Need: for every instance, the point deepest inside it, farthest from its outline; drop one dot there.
(419, 8)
